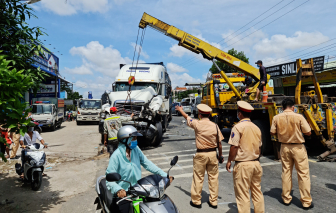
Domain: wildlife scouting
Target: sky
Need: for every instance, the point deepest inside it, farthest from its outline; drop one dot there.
(93, 37)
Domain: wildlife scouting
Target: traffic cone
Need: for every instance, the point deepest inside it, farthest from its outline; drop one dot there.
(265, 95)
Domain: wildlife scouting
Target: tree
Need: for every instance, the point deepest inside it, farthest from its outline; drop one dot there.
(71, 95)
(19, 44)
(226, 68)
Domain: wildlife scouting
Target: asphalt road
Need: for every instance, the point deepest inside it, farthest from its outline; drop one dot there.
(74, 166)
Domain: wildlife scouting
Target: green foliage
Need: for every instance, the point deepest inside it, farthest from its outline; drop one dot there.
(227, 69)
(185, 94)
(18, 44)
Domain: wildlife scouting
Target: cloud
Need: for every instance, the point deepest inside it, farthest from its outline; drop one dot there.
(70, 7)
(279, 44)
(82, 70)
(172, 68)
(143, 53)
(105, 60)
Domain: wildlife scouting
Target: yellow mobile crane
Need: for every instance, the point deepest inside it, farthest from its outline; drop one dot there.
(318, 109)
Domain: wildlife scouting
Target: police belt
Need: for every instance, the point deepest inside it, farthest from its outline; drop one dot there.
(207, 150)
(247, 160)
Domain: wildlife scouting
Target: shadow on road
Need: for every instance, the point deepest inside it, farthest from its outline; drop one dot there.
(23, 198)
(331, 186)
(276, 193)
(204, 194)
(234, 209)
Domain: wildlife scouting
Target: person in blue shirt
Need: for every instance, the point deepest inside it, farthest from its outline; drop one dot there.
(127, 161)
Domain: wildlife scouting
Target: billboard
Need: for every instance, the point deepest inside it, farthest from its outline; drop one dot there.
(50, 62)
(289, 69)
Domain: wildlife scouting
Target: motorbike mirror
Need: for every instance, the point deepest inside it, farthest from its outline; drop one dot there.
(112, 177)
(174, 161)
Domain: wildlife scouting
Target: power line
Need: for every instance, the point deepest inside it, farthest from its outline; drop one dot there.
(241, 28)
(266, 24)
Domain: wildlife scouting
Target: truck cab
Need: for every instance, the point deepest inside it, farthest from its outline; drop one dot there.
(88, 110)
(48, 112)
(148, 98)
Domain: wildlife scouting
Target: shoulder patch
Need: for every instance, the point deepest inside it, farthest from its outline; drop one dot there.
(232, 135)
(191, 120)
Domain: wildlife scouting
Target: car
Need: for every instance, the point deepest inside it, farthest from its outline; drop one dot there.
(186, 107)
(173, 111)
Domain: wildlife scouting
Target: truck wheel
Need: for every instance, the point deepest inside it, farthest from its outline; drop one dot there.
(157, 140)
(53, 127)
(267, 145)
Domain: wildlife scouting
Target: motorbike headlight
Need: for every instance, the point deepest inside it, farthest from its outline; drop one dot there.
(152, 190)
(102, 115)
(161, 187)
(32, 162)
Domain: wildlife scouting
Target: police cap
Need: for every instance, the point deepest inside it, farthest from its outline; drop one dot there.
(244, 106)
(204, 109)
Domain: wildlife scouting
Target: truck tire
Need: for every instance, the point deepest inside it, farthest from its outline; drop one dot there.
(53, 127)
(267, 145)
(157, 140)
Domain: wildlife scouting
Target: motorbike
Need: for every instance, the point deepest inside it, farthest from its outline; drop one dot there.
(148, 194)
(33, 168)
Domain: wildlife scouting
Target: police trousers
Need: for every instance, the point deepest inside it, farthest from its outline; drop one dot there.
(295, 154)
(246, 178)
(205, 161)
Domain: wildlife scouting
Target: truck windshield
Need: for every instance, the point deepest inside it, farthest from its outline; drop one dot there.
(123, 86)
(185, 103)
(90, 104)
(42, 109)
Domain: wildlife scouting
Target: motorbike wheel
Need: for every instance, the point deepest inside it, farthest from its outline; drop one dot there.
(36, 184)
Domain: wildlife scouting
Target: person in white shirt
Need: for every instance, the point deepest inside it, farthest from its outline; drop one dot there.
(28, 139)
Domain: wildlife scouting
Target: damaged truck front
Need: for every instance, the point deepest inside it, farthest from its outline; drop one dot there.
(149, 99)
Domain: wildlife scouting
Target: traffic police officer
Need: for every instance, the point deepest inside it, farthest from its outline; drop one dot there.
(245, 150)
(208, 138)
(111, 126)
(289, 126)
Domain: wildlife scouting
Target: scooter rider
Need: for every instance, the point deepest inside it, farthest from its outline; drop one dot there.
(28, 139)
(127, 161)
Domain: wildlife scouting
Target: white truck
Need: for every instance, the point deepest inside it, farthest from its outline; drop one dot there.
(48, 112)
(149, 100)
(88, 110)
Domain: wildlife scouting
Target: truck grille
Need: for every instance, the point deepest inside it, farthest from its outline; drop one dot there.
(127, 109)
(89, 113)
(41, 122)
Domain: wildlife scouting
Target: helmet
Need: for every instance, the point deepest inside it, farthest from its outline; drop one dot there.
(126, 132)
(113, 109)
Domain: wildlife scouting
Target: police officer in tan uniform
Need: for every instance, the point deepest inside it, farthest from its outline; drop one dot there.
(245, 150)
(289, 128)
(208, 138)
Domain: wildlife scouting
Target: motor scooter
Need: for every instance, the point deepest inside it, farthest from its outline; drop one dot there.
(33, 168)
(147, 195)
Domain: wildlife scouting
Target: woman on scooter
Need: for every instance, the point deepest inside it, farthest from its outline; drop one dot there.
(127, 161)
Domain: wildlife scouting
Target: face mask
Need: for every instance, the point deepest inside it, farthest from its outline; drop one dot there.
(258, 65)
(238, 117)
(132, 144)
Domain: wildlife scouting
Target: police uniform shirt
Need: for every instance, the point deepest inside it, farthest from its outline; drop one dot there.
(205, 132)
(247, 136)
(289, 127)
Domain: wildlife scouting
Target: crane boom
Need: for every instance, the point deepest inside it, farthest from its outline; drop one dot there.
(196, 45)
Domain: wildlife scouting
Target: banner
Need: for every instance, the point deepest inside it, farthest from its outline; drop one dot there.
(289, 69)
(50, 62)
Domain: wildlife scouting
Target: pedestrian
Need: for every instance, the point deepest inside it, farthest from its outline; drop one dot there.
(245, 150)
(263, 79)
(111, 126)
(16, 143)
(208, 138)
(289, 127)
(4, 146)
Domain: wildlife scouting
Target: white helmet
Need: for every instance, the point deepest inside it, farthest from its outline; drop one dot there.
(127, 131)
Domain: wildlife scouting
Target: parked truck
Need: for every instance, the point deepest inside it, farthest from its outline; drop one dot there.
(148, 98)
(318, 109)
(88, 110)
(48, 112)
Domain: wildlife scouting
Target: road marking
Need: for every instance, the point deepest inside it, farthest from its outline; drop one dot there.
(188, 150)
(222, 170)
(169, 157)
